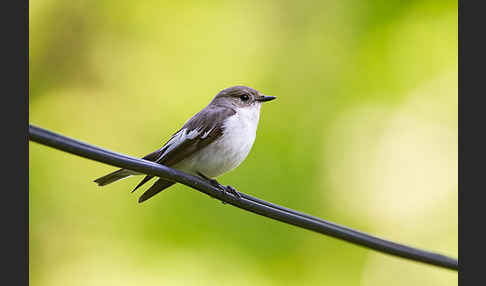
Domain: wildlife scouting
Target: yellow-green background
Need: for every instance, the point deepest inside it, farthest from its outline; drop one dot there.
(363, 133)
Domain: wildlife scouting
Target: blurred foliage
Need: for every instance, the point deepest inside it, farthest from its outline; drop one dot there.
(363, 133)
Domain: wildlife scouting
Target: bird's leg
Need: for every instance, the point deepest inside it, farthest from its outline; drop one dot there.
(225, 189)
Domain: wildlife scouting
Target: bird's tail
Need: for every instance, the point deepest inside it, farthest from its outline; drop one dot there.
(115, 176)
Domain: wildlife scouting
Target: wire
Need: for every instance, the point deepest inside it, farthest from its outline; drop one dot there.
(246, 202)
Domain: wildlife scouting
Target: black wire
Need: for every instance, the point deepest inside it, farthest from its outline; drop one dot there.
(246, 202)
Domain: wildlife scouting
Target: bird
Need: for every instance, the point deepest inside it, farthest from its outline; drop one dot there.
(213, 142)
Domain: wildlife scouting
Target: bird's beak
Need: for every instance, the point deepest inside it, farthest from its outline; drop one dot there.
(263, 98)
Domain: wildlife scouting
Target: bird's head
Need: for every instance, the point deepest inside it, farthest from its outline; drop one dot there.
(241, 97)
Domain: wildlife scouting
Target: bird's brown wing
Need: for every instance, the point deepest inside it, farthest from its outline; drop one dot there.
(201, 130)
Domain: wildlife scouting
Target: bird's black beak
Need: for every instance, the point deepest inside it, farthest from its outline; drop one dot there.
(263, 98)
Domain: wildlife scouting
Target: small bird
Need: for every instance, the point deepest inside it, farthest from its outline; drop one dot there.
(213, 142)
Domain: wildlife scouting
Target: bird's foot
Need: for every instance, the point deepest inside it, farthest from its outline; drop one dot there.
(231, 190)
(225, 189)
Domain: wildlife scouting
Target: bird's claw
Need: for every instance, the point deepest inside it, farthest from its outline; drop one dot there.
(225, 189)
(233, 191)
(230, 190)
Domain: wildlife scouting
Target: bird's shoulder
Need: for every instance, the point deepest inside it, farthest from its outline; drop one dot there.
(212, 116)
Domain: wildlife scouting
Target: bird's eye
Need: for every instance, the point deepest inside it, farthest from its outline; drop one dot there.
(244, 97)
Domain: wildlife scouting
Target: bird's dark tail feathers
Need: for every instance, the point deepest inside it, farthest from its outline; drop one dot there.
(157, 187)
(115, 176)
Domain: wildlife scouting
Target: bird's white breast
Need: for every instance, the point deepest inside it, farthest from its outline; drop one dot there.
(228, 151)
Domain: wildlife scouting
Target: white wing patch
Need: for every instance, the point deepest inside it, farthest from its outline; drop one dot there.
(192, 134)
(207, 133)
(180, 137)
(175, 141)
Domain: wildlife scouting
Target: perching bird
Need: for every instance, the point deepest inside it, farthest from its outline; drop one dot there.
(214, 141)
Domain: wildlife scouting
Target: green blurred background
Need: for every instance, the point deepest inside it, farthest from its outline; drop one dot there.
(363, 133)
